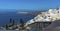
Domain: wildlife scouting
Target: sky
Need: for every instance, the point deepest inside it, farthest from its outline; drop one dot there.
(29, 4)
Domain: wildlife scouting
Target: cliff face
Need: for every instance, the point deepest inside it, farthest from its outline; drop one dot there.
(55, 26)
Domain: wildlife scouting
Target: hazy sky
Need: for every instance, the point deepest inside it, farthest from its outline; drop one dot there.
(29, 4)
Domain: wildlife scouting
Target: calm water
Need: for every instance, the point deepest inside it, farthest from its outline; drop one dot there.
(4, 18)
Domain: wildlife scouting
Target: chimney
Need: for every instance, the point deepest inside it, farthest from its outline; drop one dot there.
(6, 26)
(10, 20)
(13, 22)
(22, 23)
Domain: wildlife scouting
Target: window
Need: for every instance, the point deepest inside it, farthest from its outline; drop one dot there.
(48, 16)
(58, 12)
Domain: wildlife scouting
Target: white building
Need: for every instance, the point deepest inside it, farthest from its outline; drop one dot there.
(50, 15)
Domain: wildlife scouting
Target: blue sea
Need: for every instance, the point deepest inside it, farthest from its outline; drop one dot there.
(5, 17)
